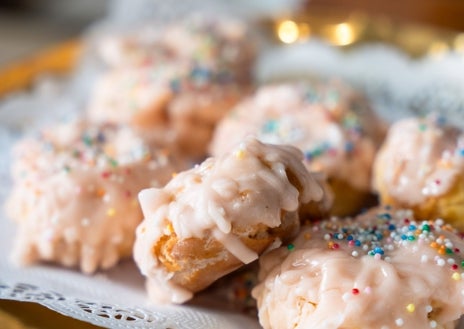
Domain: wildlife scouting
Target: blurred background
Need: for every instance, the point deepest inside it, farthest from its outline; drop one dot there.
(437, 13)
(27, 26)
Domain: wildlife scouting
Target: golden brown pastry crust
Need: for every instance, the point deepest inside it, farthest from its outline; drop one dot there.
(195, 263)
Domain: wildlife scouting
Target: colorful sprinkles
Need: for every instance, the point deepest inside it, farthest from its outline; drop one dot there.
(346, 118)
(386, 234)
(93, 150)
(380, 234)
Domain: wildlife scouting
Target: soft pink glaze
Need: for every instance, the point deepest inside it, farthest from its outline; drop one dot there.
(135, 94)
(218, 42)
(331, 124)
(74, 193)
(421, 157)
(182, 77)
(324, 281)
(174, 97)
(244, 188)
(156, 64)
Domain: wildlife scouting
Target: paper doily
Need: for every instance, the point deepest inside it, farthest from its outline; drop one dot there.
(114, 316)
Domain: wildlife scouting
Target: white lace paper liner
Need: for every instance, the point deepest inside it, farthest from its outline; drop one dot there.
(107, 315)
(111, 315)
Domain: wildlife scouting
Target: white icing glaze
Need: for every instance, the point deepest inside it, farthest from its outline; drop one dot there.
(337, 132)
(325, 281)
(74, 193)
(244, 188)
(421, 157)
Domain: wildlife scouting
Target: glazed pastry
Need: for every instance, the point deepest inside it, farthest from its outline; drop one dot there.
(184, 100)
(421, 166)
(74, 194)
(382, 269)
(218, 216)
(330, 123)
(134, 95)
(185, 76)
(214, 41)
